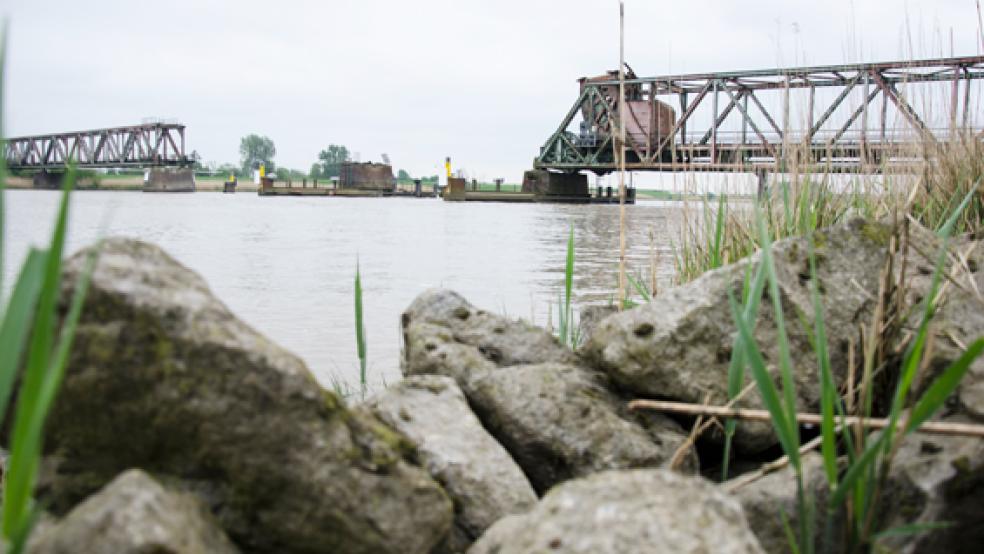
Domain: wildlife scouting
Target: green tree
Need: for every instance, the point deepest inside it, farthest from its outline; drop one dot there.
(315, 172)
(227, 168)
(254, 150)
(332, 159)
(402, 175)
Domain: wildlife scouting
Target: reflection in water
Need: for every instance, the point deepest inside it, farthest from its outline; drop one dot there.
(287, 265)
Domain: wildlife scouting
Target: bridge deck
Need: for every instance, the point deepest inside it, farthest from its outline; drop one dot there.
(146, 145)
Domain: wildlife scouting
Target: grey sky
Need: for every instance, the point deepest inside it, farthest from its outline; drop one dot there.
(482, 81)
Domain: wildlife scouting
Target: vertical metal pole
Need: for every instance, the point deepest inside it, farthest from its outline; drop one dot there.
(966, 106)
(954, 90)
(714, 124)
(864, 118)
(744, 120)
(785, 117)
(621, 154)
(813, 95)
(683, 110)
(653, 122)
(673, 154)
(884, 117)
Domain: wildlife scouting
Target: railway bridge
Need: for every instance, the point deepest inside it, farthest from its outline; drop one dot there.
(157, 147)
(855, 118)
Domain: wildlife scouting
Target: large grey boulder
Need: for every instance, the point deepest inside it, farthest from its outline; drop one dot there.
(935, 479)
(557, 419)
(484, 483)
(163, 377)
(774, 497)
(626, 511)
(445, 335)
(560, 422)
(959, 319)
(679, 345)
(134, 514)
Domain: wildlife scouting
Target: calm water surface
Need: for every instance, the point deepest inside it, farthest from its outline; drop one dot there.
(287, 265)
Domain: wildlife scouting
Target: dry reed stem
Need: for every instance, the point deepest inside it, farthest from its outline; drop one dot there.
(747, 414)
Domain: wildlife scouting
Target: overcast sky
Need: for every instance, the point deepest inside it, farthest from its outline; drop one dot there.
(485, 82)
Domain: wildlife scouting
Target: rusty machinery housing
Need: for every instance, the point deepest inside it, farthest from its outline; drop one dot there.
(647, 120)
(367, 176)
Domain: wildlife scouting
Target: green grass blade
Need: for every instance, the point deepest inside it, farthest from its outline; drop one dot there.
(856, 471)
(716, 259)
(948, 226)
(767, 389)
(787, 530)
(943, 386)
(3, 153)
(752, 289)
(913, 529)
(360, 329)
(63, 347)
(25, 452)
(785, 359)
(639, 287)
(17, 322)
(828, 390)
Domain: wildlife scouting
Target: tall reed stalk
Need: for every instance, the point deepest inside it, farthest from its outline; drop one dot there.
(568, 334)
(360, 331)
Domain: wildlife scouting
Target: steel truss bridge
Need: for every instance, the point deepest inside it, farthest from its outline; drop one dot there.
(147, 145)
(742, 121)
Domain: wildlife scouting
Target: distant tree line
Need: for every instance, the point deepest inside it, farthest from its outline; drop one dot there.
(255, 150)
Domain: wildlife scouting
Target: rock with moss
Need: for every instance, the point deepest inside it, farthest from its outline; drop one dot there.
(937, 483)
(484, 483)
(558, 420)
(162, 376)
(679, 346)
(772, 500)
(445, 335)
(615, 512)
(591, 316)
(959, 318)
(134, 514)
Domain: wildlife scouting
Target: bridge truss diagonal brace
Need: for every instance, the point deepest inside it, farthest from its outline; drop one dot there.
(907, 111)
(735, 99)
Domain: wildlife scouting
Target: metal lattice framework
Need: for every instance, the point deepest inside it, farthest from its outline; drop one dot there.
(834, 134)
(148, 145)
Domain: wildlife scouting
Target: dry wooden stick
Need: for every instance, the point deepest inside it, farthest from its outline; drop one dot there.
(929, 427)
(701, 426)
(767, 468)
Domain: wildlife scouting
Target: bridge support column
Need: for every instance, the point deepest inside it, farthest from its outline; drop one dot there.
(48, 181)
(169, 179)
(762, 188)
(549, 186)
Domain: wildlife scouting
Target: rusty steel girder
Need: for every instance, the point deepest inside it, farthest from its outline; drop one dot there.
(147, 145)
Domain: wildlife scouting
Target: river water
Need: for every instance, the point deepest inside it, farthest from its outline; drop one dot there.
(287, 265)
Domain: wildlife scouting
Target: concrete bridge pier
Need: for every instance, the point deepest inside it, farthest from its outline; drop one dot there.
(169, 179)
(554, 186)
(48, 181)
